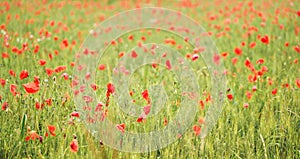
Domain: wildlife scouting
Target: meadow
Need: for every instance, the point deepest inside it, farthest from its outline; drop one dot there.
(258, 44)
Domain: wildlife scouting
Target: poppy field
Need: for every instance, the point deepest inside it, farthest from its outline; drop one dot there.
(61, 99)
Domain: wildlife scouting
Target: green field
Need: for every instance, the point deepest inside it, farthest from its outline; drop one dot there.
(258, 44)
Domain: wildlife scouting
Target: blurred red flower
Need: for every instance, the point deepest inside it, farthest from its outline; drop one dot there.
(197, 129)
(13, 89)
(4, 106)
(32, 135)
(23, 74)
(121, 127)
(74, 145)
(42, 62)
(230, 96)
(32, 87)
(2, 82)
(238, 51)
(298, 82)
(265, 39)
(274, 91)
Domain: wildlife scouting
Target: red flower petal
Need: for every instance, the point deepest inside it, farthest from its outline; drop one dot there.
(168, 64)
(238, 51)
(121, 127)
(23, 74)
(147, 109)
(51, 129)
(75, 114)
(42, 62)
(298, 82)
(13, 89)
(31, 87)
(4, 106)
(197, 129)
(230, 96)
(2, 82)
(274, 91)
(74, 145)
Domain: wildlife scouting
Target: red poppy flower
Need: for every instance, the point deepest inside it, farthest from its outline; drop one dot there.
(249, 95)
(121, 127)
(197, 129)
(165, 121)
(65, 76)
(2, 82)
(260, 61)
(50, 56)
(98, 107)
(75, 114)
(49, 71)
(248, 63)
(87, 99)
(5, 55)
(23, 74)
(48, 101)
(134, 54)
(113, 42)
(147, 109)
(168, 64)
(254, 88)
(101, 67)
(252, 78)
(274, 91)
(170, 41)
(298, 82)
(252, 44)
(286, 85)
(286, 44)
(110, 89)
(297, 49)
(201, 121)
(65, 42)
(246, 105)
(295, 61)
(224, 54)
(39, 106)
(201, 104)
(103, 115)
(130, 37)
(265, 39)
(230, 96)
(94, 87)
(195, 57)
(12, 73)
(238, 51)
(141, 117)
(36, 80)
(234, 60)
(216, 59)
(51, 129)
(13, 89)
(145, 95)
(60, 69)
(32, 87)
(264, 69)
(4, 106)
(74, 145)
(243, 43)
(154, 65)
(121, 54)
(32, 135)
(42, 62)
